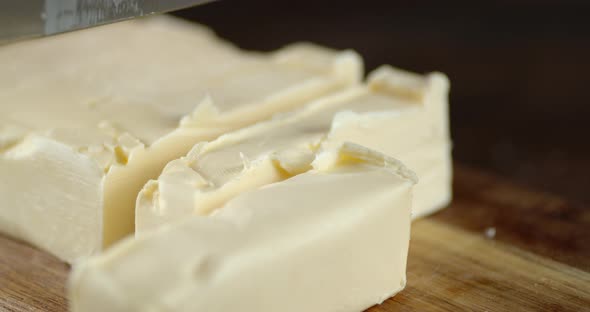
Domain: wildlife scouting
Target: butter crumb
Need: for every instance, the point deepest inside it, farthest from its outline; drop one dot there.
(490, 232)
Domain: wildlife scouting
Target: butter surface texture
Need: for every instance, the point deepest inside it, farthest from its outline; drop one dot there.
(332, 238)
(401, 114)
(87, 118)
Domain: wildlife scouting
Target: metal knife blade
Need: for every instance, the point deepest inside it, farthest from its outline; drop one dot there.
(35, 18)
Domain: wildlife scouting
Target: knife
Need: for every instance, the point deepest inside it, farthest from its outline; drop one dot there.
(23, 19)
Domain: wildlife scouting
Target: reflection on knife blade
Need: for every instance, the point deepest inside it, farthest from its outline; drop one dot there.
(34, 18)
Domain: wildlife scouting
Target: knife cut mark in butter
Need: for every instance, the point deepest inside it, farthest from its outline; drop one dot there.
(401, 114)
(332, 238)
(87, 118)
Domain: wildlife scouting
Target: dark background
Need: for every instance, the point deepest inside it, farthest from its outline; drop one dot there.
(519, 70)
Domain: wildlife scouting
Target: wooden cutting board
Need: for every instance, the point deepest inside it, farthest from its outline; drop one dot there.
(498, 247)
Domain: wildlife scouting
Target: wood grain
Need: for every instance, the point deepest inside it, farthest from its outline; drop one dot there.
(534, 221)
(30, 280)
(453, 270)
(538, 261)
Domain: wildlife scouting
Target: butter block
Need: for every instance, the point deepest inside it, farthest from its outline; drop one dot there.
(87, 118)
(401, 114)
(332, 238)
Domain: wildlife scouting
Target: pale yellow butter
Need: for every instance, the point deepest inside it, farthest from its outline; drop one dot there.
(87, 118)
(333, 238)
(401, 114)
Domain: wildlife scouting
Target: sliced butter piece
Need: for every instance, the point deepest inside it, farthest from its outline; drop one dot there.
(334, 238)
(87, 118)
(419, 138)
(398, 113)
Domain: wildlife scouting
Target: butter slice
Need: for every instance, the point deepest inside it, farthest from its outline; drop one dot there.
(87, 118)
(401, 114)
(334, 238)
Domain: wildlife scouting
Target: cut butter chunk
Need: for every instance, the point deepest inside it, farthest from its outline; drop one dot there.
(87, 118)
(401, 114)
(332, 238)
